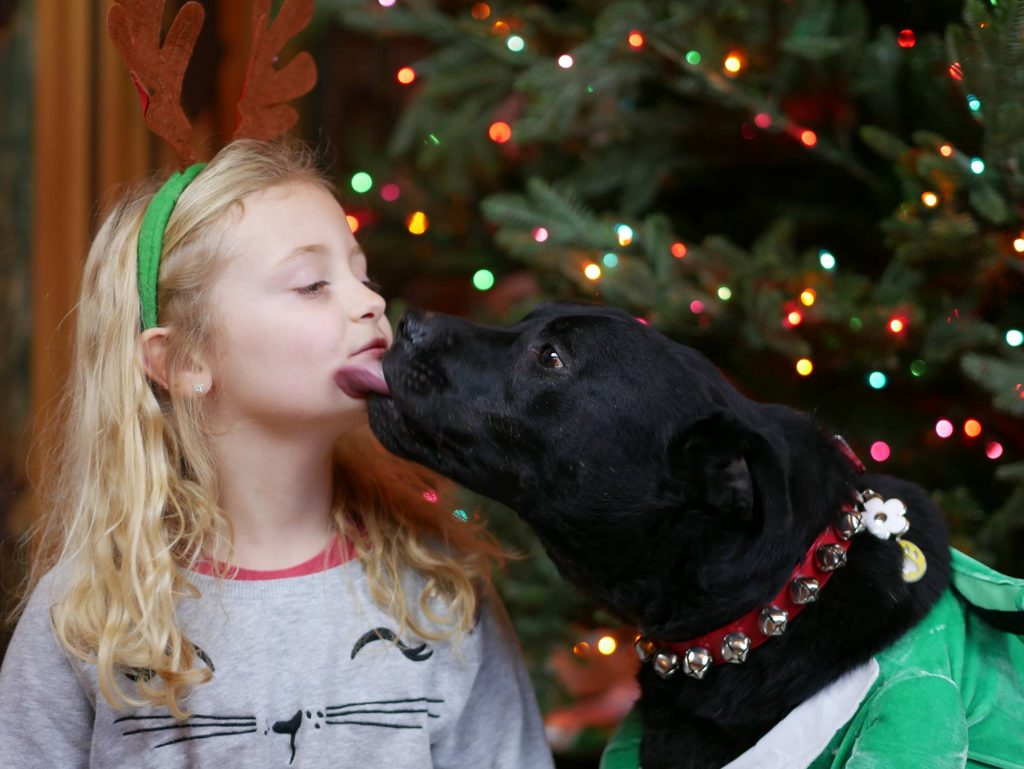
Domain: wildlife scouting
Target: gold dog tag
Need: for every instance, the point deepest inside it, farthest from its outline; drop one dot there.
(914, 562)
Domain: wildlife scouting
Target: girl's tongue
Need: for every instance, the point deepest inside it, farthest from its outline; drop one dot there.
(357, 380)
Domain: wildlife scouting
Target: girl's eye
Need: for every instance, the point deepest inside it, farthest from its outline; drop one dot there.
(312, 288)
(549, 358)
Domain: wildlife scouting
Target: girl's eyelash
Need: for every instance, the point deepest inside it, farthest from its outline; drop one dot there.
(312, 288)
(373, 285)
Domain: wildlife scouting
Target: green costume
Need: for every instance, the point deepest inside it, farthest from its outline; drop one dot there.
(949, 693)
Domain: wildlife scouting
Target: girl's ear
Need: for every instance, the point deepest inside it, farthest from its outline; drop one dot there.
(152, 353)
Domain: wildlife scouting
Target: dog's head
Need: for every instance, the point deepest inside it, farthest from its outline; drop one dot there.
(629, 454)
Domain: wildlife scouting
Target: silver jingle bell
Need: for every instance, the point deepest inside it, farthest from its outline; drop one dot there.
(804, 590)
(665, 664)
(773, 620)
(850, 524)
(696, 662)
(865, 495)
(735, 648)
(830, 557)
(645, 648)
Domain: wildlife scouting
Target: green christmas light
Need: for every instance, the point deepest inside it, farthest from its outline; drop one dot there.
(877, 380)
(856, 323)
(362, 182)
(918, 367)
(483, 280)
(693, 58)
(724, 293)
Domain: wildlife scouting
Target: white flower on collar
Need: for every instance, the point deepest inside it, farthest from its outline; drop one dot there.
(884, 518)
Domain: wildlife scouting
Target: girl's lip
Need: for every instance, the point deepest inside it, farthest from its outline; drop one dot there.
(376, 348)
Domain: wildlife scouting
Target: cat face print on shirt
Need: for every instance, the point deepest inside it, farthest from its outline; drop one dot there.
(158, 731)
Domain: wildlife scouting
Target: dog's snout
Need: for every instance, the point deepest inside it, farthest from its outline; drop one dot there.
(414, 327)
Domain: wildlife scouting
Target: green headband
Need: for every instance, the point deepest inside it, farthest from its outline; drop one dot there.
(151, 238)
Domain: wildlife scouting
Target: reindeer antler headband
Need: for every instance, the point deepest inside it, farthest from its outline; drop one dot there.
(158, 72)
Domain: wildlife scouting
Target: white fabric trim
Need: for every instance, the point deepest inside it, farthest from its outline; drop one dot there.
(806, 731)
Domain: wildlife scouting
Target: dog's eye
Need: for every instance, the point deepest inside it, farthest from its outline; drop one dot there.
(548, 357)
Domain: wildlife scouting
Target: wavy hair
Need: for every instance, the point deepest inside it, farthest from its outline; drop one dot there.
(130, 491)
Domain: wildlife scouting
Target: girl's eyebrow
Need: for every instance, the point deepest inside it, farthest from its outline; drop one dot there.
(313, 249)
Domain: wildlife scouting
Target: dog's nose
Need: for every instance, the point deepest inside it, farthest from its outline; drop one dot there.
(413, 327)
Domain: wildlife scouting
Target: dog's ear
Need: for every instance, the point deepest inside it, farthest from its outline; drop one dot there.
(716, 459)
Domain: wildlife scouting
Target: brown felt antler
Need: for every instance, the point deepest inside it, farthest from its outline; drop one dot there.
(262, 111)
(158, 71)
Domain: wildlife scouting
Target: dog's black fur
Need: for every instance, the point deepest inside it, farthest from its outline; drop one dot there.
(660, 490)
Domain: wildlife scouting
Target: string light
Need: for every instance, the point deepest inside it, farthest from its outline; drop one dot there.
(826, 260)
(918, 367)
(480, 11)
(994, 450)
(897, 325)
(930, 199)
(808, 137)
(856, 324)
(679, 249)
(565, 61)
(977, 165)
(417, 223)
(406, 75)
(733, 63)
(762, 120)
(499, 27)
(1018, 244)
(540, 234)
(807, 297)
(430, 495)
(361, 182)
(972, 428)
(353, 223)
(624, 233)
(592, 271)
(877, 380)
(1014, 337)
(636, 39)
(582, 649)
(610, 260)
(973, 102)
(461, 514)
(606, 645)
(956, 71)
(946, 150)
(390, 192)
(696, 306)
(804, 367)
(944, 428)
(515, 43)
(386, 3)
(500, 132)
(880, 451)
(693, 58)
(747, 132)
(724, 293)
(906, 38)
(794, 318)
(483, 280)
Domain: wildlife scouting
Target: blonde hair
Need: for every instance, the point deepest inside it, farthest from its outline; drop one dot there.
(130, 495)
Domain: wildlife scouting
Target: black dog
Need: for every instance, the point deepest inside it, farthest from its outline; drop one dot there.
(663, 492)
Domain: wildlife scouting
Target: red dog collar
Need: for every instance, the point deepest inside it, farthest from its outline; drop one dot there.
(733, 642)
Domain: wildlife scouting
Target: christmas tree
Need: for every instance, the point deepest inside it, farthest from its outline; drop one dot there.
(824, 196)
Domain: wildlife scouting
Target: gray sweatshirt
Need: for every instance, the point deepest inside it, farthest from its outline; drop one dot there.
(308, 672)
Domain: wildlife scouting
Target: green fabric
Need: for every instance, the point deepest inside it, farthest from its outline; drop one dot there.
(950, 693)
(151, 238)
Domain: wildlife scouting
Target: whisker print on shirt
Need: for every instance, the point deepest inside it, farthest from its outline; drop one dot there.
(398, 714)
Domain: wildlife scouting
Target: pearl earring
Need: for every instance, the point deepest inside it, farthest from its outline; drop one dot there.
(200, 388)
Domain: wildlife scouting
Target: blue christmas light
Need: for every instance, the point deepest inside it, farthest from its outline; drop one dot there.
(826, 259)
(977, 165)
(973, 102)
(877, 380)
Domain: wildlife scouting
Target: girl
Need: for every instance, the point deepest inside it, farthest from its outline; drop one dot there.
(236, 575)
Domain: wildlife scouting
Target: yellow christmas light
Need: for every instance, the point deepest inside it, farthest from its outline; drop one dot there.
(1018, 244)
(606, 645)
(930, 199)
(804, 367)
(807, 297)
(592, 271)
(946, 150)
(733, 63)
(417, 223)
